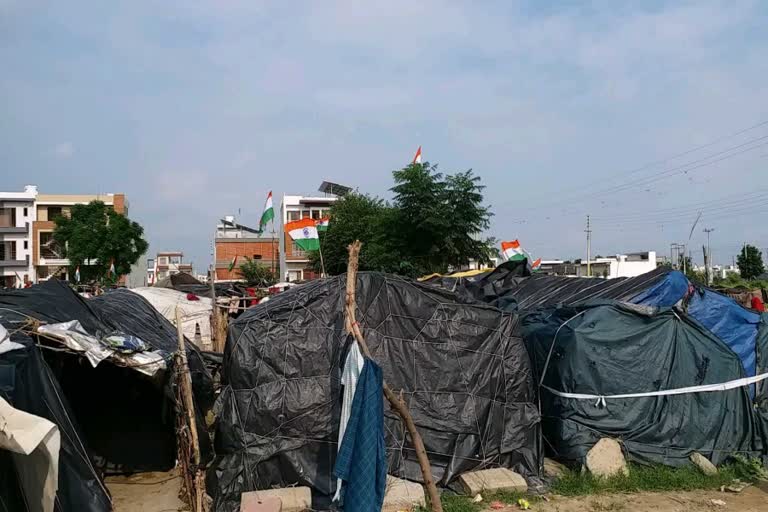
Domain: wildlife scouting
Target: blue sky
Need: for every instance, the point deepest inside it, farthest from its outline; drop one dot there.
(197, 109)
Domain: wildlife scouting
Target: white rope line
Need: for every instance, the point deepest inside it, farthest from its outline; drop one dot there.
(705, 388)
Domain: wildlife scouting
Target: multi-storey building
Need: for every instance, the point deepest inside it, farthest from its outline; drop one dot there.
(236, 243)
(47, 256)
(17, 214)
(166, 264)
(294, 263)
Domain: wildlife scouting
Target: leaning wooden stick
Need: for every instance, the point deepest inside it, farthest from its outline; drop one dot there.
(398, 404)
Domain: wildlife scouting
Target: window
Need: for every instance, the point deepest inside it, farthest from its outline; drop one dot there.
(175, 260)
(7, 251)
(7, 217)
(26, 213)
(53, 212)
(162, 260)
(293, 215)
(317, 214)
(26, 244)
(257, 256)
(296, 251)
(304, 214)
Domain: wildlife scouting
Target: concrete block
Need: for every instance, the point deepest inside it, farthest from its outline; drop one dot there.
(495, 479)
(254, 502)
(293, 499)
(606, 459)
(403, 495)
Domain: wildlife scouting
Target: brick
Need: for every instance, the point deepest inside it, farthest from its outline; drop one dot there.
(294, 499)
(403, 495)
(495, 479)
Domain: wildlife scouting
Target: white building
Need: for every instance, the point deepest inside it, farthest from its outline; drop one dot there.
(17, 213)
(294, 263)
(166, 264)
(621, 265)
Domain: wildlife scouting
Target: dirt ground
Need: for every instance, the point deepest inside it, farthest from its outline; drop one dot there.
(146, 492)
(752, 499)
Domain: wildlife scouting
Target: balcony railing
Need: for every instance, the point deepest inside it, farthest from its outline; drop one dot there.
(14, 262)
(14, 229)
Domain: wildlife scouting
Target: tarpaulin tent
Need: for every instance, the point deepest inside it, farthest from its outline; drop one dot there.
(126, 413)
(590, 353)
(28, 384)
(465, 376)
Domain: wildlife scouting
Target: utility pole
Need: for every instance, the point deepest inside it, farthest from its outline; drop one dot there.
(709, 256)
(588, 231)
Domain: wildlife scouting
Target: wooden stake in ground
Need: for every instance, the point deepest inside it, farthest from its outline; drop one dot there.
(197, 492)
(398, 404)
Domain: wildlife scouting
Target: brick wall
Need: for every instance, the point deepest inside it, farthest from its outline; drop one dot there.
(38, 226)
(227, 249)
(118, 203)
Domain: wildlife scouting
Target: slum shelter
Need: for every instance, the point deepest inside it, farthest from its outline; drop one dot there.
(101, 370)
(666, 366)
(464, 375)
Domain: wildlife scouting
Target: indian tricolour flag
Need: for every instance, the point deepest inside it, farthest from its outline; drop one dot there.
(512, 250)
(269, 212)
(304, 233)
(322, 224)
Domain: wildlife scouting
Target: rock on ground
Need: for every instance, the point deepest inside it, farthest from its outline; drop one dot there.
(293, 499)
(495, 479)
(403, 495)
(606, 459)
(553, 469)
(703, 463)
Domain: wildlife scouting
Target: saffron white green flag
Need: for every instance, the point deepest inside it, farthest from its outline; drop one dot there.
(512, 250)
(322, 224)
(304, 233)
(269, 212)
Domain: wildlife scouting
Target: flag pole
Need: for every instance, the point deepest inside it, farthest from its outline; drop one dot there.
(320, 250)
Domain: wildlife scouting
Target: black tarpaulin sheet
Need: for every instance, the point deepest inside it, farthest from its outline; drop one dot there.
(512, 287)
(28, 384)
(616, 348)
(465, 377)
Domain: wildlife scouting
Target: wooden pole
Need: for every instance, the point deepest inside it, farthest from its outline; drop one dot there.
(218, 345)
(185, 382)
(397, 403)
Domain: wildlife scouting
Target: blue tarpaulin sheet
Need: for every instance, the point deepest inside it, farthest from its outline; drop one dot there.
(735, 325)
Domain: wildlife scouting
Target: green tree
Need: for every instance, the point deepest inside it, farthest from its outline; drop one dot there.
(750, 262)
(257, 274)
(434, 222)
(94, 236)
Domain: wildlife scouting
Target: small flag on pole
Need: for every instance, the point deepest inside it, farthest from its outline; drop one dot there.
(269, 212)
(304, 233)
(417, 156)
(322, 224)
(77, 274)
(536, 264)
(512, 250)
(112, 267)
(233, 264)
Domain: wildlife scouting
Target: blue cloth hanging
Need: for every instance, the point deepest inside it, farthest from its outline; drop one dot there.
(362, 458)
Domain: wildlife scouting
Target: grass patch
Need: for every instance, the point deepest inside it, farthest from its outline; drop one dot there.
(457, 503)
(648, 478)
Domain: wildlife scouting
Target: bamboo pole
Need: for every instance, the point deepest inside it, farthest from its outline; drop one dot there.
(185, 383)
(397, 403)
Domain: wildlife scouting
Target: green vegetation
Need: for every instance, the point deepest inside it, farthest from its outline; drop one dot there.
(257, 274)
(94, 236)
(750, 262)
(433, 223)
(653, 478)
(458, 503)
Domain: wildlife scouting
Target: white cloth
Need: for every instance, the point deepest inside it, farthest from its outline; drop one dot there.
(35, 444)
(6, 345)
(353, 365)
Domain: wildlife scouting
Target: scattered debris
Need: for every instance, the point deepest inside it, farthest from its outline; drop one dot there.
(523, 504)
(717, 503)
(497, 505)
(606, 459)
(478, 498)
(736, 487)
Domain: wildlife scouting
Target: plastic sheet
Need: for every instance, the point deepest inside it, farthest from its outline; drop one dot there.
(466, 378)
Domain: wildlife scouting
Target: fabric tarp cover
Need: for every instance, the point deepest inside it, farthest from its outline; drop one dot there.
(618, 348)
(467, 381)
